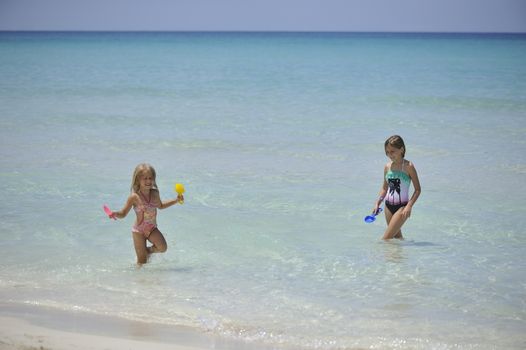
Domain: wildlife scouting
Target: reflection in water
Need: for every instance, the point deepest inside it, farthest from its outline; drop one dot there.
(394, 251)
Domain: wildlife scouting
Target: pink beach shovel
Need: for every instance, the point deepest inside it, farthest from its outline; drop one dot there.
(108, 211)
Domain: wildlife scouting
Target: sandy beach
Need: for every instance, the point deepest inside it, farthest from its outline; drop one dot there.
(24, 327)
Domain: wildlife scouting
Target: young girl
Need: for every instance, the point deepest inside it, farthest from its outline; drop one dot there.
(145, 200)
(398, 174)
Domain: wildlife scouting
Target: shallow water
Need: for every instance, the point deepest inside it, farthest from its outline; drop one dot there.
(278, 139)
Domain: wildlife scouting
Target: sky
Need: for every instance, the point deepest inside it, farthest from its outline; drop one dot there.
(266, 15)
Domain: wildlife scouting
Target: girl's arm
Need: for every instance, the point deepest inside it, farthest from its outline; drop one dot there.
(382, 193)
(169, 203)
(416, 184)
(121, 214)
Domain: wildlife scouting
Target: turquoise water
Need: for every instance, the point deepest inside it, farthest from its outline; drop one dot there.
(278, 139)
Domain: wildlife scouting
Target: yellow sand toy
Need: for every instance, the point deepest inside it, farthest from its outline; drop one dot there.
(179, 188)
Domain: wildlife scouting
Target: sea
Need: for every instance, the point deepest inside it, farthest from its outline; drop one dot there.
(278, 139)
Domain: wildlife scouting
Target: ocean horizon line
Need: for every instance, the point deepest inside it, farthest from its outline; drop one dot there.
(431, 33)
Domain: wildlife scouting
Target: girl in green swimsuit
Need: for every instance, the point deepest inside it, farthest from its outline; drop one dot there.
(398, 175)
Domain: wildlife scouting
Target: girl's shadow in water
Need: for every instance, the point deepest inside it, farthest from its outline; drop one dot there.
(409, 243)
(418, 244)
(179, 269)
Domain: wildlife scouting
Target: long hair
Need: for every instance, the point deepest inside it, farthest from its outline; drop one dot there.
(396, 142)
(139, 171)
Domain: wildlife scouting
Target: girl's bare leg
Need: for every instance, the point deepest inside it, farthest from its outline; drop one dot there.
(158, 241)
(139, 242)
(394, 224)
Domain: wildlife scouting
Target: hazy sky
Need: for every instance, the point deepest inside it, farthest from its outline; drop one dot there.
(262, 15)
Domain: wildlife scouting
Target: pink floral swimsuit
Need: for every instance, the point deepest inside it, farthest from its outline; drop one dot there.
(149, 215)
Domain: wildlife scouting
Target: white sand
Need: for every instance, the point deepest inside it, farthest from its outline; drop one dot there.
(21, 335)
(25, 327)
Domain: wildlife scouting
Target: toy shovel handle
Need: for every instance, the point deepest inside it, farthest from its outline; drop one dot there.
(370, 218)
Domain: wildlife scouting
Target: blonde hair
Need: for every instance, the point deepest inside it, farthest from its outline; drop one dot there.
(396, 142)
(141, 170)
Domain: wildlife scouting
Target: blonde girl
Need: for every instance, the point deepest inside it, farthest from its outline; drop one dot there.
(145, 199)
(398, 175)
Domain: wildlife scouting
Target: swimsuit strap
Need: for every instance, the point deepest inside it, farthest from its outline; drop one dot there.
(144, 197)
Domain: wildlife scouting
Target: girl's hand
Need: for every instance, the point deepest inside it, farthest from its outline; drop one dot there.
(180, 198)
(406, 212)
